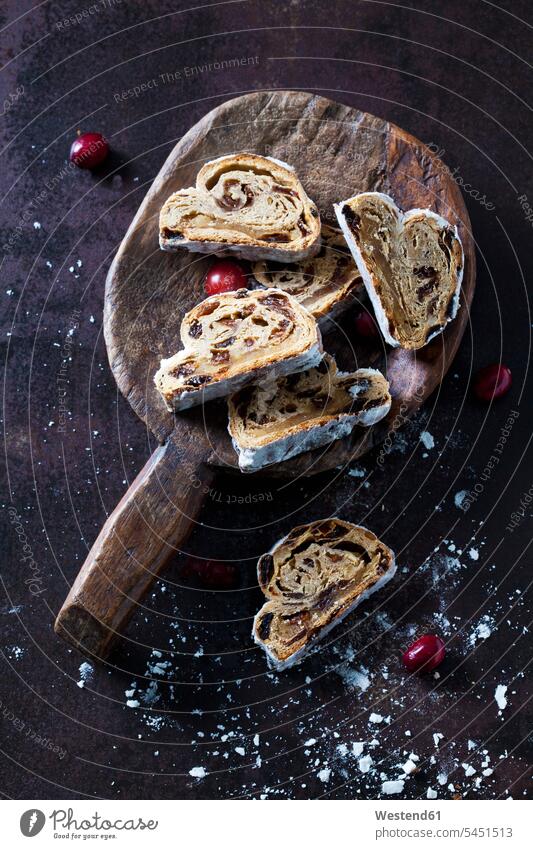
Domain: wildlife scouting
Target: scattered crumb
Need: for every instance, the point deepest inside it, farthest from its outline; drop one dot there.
(354, 677)
(427, 440)
(459, 498)
(392, 787)
(365, 763)
(86, 671)
(197, 772)
(482, 630)
(499, 695)
(469, 770)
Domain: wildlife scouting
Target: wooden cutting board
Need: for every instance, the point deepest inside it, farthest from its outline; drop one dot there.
(337, 151)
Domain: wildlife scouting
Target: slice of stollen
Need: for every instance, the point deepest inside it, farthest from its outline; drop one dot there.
(237, 338)
(411, 264)
(325, 284)
(251, 206)
(312, 579)
(281, 417)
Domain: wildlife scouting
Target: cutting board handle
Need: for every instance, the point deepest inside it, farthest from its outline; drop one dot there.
(149, 524)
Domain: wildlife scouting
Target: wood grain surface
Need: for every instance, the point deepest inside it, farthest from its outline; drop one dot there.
(337, 151)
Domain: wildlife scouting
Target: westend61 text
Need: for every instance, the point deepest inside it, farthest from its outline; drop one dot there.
(407, 815)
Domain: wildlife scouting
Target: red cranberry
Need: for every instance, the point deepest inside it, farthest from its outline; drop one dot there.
(89, 150)
(225, 276)
(365, 325)
(424, 654)
(492, 382)
(212, 574)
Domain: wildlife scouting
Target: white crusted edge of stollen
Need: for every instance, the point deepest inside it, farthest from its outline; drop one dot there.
(253, 459)
(379, 311)
(241, 251)
(220, 389)
(278, 665)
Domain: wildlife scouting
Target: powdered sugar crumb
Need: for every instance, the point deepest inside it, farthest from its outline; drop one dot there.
(459, 498)
(392, 787)
(197, 772)
(365, 763)
(427, 440)
(500, 697)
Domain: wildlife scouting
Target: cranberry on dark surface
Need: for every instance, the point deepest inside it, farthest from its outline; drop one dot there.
(424, 654)
(211, 574)
(365, 325)
(492, 381)
(89, 150)
(225, 275)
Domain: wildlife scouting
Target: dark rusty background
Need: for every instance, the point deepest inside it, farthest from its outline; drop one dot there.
(457, 84)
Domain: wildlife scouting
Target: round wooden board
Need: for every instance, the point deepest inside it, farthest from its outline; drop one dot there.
(337, 152)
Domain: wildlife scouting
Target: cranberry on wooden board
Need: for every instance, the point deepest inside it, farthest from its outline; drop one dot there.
(492, 381)
(212, 574)
(89, 150)
(365, 325)
(424, 654)
(225, 275)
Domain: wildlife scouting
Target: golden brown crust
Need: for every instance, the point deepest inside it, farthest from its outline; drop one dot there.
(324, 283)
(249, 205)
(233, 339)
(312, 579)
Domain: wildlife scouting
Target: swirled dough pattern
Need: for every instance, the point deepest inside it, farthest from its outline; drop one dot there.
(324, 283)
(312, 579)
(244, 204)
